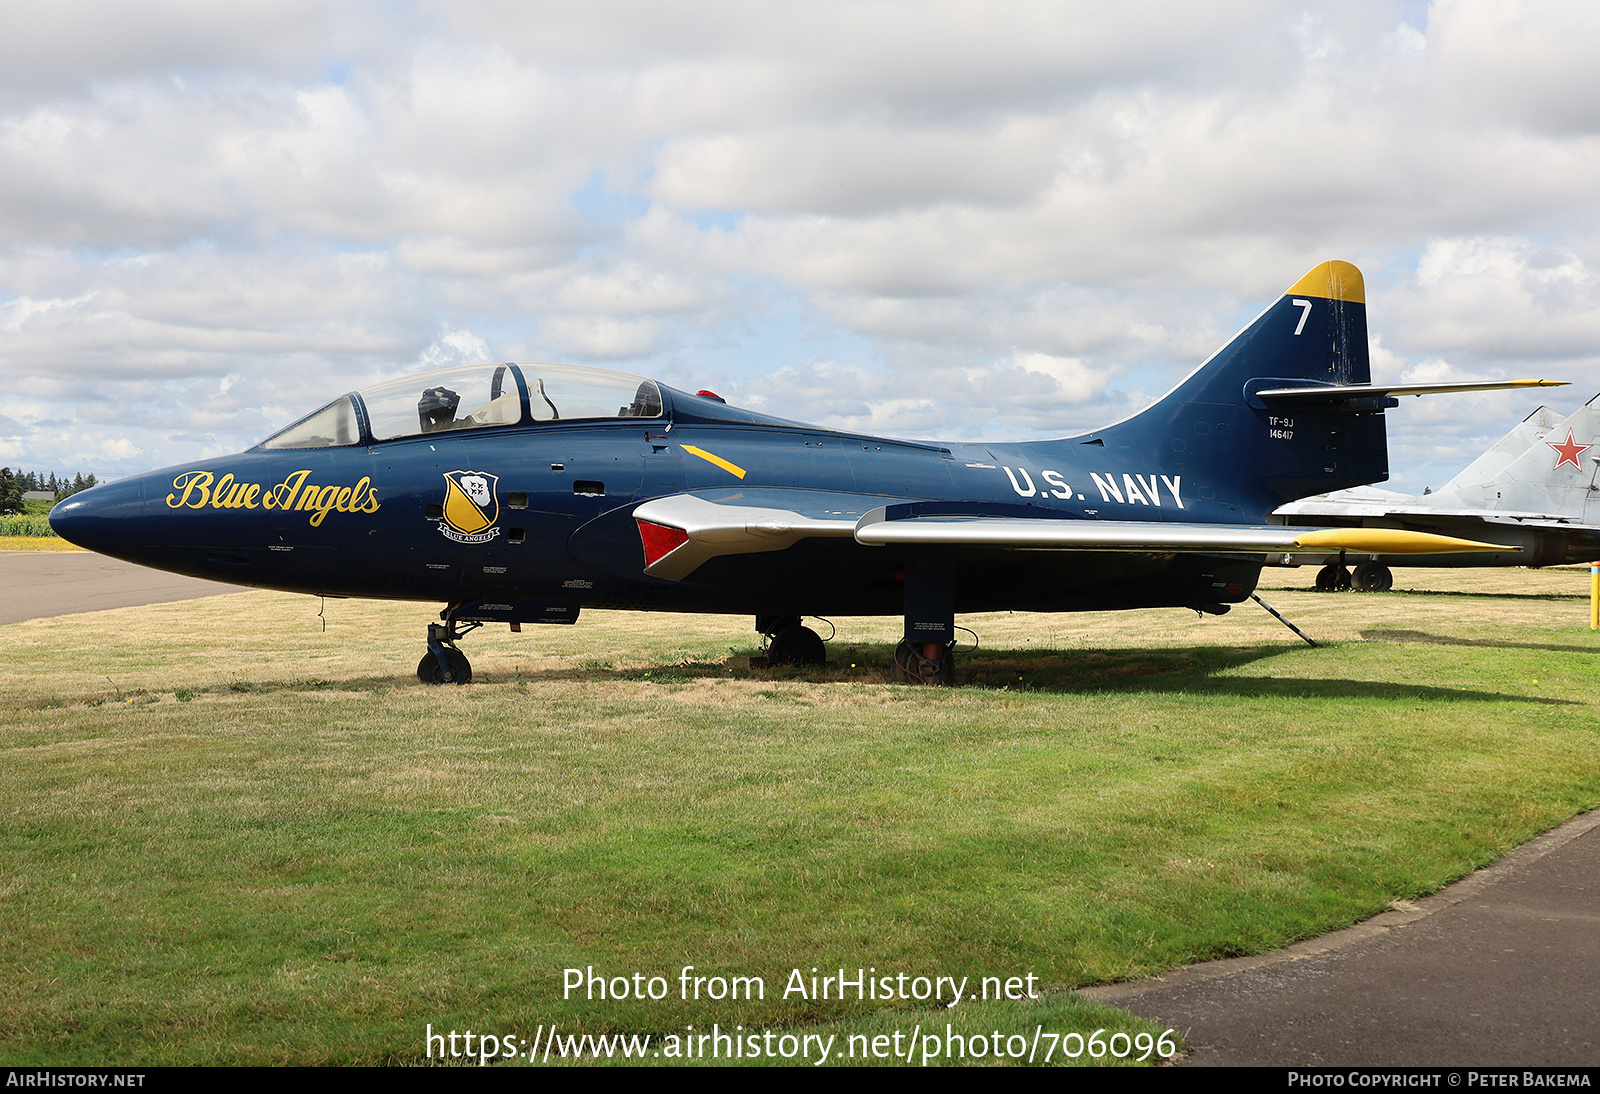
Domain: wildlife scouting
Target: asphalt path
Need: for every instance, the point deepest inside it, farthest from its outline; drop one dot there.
(39, 584)
(1501, 968)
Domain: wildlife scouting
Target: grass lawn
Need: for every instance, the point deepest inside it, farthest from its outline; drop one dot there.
(229, 835)
(36, 543)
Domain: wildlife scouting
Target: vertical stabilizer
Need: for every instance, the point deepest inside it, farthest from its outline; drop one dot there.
(1499, 456)
(1232, 446)
(1556, 475)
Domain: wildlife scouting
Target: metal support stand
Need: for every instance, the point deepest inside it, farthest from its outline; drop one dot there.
(1279, 617)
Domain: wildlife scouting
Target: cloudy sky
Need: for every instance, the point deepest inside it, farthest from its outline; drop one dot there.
(928, 219)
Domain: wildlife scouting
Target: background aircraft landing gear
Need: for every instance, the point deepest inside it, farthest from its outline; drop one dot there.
(1333, 578)
(923, 663)
(443, 663)
(789, 642)
(1373, 577)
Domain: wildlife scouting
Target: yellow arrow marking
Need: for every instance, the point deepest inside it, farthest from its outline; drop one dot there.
(732, 468)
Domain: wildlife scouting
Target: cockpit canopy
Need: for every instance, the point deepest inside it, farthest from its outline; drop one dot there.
(473, 397)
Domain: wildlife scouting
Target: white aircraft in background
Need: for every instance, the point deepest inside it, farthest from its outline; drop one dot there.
(1534, 491)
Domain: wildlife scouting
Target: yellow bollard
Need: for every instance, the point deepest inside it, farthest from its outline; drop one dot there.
(1594, 596)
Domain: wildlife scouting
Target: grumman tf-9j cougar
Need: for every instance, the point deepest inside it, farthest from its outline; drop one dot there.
(524, 493)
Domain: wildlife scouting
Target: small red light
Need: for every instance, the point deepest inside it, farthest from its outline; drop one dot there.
(711, 395)
(659, 540)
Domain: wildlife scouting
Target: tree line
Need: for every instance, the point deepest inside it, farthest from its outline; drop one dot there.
(14, 484)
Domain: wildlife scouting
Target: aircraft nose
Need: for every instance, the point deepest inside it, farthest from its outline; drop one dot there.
(102, 517)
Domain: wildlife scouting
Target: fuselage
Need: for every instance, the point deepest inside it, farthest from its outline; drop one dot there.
(540, 511)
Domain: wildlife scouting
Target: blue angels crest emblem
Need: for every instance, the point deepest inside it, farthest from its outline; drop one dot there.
(471, 506)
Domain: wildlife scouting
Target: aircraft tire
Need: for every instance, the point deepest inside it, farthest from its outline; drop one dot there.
(1385, 578)
(428, 670)
(796, 646)
(910, 667)
(1368, 577)
(1328, 578)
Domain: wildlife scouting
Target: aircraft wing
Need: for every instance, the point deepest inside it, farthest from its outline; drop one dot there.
(683, 531)
(1151, 536)
(1328, 507)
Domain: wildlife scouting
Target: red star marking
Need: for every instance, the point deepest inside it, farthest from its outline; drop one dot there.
(1569, 452)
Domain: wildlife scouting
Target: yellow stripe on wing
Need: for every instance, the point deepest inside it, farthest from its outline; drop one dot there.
(731, 468)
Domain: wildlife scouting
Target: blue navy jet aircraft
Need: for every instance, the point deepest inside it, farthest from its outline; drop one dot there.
(524, 493)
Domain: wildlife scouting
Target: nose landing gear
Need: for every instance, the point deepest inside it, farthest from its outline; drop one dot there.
(789, 643)
(444, 663)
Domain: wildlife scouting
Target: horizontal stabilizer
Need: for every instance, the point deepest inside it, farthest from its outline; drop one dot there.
(1324, 394)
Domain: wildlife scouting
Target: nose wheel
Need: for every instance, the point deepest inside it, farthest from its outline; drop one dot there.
(789, 643)
(443, 663)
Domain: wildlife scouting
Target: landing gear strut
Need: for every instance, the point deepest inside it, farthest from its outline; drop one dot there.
(790, 643)
(924, 655)
(443, 663)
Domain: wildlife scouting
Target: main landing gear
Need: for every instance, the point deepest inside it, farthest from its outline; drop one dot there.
(924, 655)
(1373, 577)
(1369, 577)
(923, 663)
(1333, 578)
(443, 663)
(790, 643)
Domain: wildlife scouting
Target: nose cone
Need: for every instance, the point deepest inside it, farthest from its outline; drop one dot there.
(107, 519)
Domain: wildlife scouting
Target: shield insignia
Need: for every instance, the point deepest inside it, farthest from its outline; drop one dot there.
(471, 505)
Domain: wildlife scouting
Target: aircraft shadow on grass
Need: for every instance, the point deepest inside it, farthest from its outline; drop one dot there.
(1182, 670)
(1496, 596)
(1451, 640)
(1191, 670)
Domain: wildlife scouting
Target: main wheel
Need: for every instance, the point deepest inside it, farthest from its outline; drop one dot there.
(911, 667)
(1327, 578)
(796, 646)
(429, 672)
(1368, 577)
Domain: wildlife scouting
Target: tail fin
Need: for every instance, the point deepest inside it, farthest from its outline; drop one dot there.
(1235, 449)
(1555, 475)
(1499, 456)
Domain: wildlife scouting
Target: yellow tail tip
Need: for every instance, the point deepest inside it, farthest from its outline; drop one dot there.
(1332, 281)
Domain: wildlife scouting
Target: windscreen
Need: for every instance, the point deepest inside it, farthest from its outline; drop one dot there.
(335, 424)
